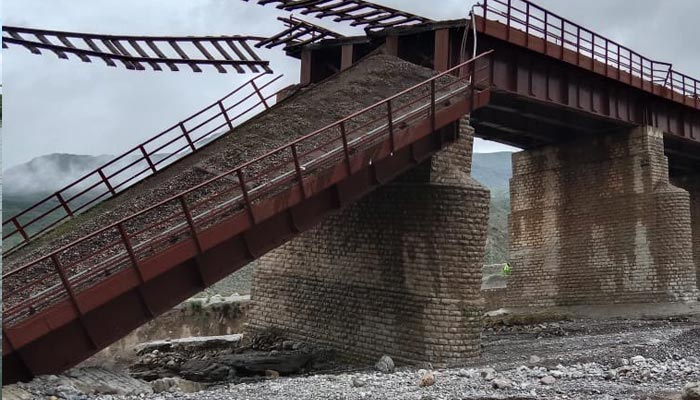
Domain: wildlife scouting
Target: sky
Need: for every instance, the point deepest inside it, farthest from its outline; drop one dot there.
(57, 106)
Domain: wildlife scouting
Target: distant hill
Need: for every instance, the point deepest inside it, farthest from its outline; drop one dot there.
(27, 183)
(494, 170)
(46, 174)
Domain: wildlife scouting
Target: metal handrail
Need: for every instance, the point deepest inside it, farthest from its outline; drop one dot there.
(535, 20)
(110, 183)
(246, 195)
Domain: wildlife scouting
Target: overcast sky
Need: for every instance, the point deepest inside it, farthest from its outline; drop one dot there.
(52, 105)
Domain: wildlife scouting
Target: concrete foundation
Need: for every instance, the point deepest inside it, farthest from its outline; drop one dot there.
(596, 221)
(398, 273)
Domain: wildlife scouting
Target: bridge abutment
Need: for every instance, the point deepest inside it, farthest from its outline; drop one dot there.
(596, 221)
(397, 273)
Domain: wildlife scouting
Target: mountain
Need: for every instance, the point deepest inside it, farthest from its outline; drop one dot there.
(46, 174)
(27, 183)
(493, 170)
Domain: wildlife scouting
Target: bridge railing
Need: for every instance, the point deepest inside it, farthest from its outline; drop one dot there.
(129, 243)
(539, 22)
(141, 161)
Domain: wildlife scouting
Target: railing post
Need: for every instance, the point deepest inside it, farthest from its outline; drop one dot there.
(148, 160)
(225, 114)
(130, 250)
(563, 38)
(527, 25)
(187, 136)
(297, 167)
(546, 32)
(190, 222)
(19, 228)
(64, 204)
(260, 94)
(344, 137)
(433, 122)
(508, 21)
(66, 283)
(244, 191)
(486, 12)
(391, 127)
(578, 46)
(106, 181)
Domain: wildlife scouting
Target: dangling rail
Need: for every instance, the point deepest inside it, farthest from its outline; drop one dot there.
(133, 52)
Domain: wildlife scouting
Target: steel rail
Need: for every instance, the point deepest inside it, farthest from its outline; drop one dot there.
(135, 51)
(358, 12)
(298, 33)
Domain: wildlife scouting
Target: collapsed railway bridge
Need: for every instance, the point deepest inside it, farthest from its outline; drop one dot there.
(352, 190)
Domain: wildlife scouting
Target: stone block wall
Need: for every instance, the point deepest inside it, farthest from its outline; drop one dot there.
(691, 183)
(596, 221)
(397, 273)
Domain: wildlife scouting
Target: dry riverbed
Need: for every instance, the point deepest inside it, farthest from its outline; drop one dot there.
(580, 359)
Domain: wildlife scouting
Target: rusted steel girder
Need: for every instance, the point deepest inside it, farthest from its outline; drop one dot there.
(91, 292)
(358, 12)
(133, 52)
(298, 33)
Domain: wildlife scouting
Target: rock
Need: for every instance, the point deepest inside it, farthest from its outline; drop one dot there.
(271, 374)
(502, 383)
(611, 374)
(206, 371)
(466, 373)
(556, 374)
(428, 379)
(358, 382)
(534, 359)
(385, 364)
(691, 391)
(637, 360)
(548, 380)
(488, 374)
(175, 385)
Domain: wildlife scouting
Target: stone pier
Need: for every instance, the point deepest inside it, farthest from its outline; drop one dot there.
(691, 183)
(398, 273)
(596, 221)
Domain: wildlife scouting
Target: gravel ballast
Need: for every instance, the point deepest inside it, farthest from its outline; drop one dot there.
(369, 81)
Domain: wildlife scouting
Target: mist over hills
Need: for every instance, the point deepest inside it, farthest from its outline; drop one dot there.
(27, 183)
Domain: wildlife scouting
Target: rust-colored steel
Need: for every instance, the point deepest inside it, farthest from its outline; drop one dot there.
(140, 161)
(558, 37)
(358, 12)
(135, 51)
(298, 33)
(559, 70)
(144, 272)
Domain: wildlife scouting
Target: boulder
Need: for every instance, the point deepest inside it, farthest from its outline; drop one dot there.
(691, 391)
(428, 379)
(385, 364)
